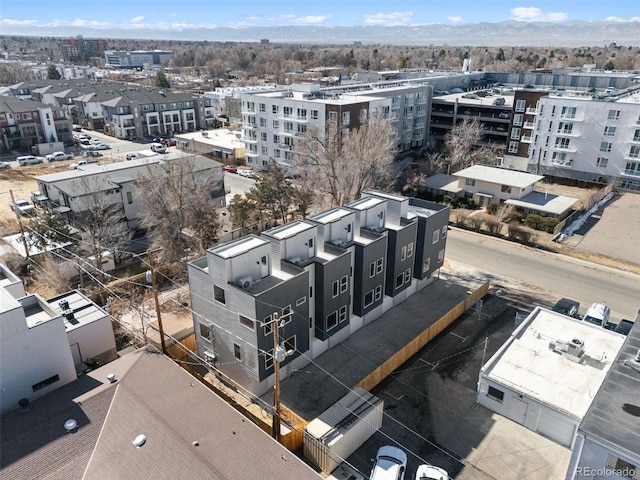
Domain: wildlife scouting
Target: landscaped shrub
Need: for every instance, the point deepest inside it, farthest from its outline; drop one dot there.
(494, 226)
(447, 200)
(512, 217)
(521, 234)
(461, 219)
(492, 208)
(537, 222)
(549, 224)
(475, 222)
(471, 204)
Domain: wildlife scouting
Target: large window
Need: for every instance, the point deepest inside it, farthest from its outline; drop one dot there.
(368, 298)
(515, 133)
(436, 236)
(268, 359)
(45, 383)
(247, 322)
(634, 152)
(290, 344)
(332, 320)
(605, 146)
(520, 105)
(400, 280)
(425, 265)
(602, 162)
(609, 131)
(568, 112)
(513, 147)
(205, 331)
(613, 115)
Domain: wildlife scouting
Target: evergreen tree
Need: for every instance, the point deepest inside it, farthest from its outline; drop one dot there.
(53, 73)
(162, 81)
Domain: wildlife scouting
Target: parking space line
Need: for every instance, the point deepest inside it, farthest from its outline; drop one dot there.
(459, 336)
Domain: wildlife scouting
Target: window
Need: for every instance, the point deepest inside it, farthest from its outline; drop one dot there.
(263, 136)
(262, 107)
(372, 269)
(517, 119)
(613, 115)
(444, 232)
(609, 131)
(45, 383)
(264, 150)
(378, 295)
(290, 344)
(379, 265)
(636, 136)
(505, 189)
(513, 147)
(368, 298)
(562, 143)
(399, 280)
(286, 315)
(268, 359)
(520, 105)
(407, 276)
(247, 322)
(263, 122)
(634, 152)
(515, 133)
(568, 112)
(236, 352)
(332, 321)
(344, 284)
(403, 253)
(605, 146)
(436, 236)
(346, 118)
(205, 331)
(470, 181)
(410, 249)
(335, 289)
(274, 109)
(441, 256)
(129, 198)
(565, 128)
(218, 294)
(426, 263)
(333, 117)
(302, 114)
(314, 114)
(495, 394)
(310, 292)
(267, 325)
(301, 301)
(343, 313)
(287, 111)
(602, 162)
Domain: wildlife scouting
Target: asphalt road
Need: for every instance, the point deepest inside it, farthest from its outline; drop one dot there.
(552, 275)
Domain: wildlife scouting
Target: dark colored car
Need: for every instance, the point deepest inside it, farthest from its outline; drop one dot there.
(624, 327)
(567, 307)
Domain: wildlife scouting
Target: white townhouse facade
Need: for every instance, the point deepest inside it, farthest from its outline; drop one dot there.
(585, 137)
(275, 122)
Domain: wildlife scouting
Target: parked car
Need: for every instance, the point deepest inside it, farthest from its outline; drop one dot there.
(76, 128)
(431, 472)
(470, 96)
(598, 314)
(29, 160)
(82, 163)
(246, 173)
(84, 141)
(158, 147)
(22, 207)
(624, 327)
(567, 307)
(230, 169)
(58, 156)
(132, 156)
(99, 146)
(169, 142)
(390, 464)
(96, 141)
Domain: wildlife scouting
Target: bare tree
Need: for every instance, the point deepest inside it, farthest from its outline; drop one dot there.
(463, 148)
(339, 166)
(179, 206)
(101, 219)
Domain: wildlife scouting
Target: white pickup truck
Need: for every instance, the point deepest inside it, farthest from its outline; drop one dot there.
(22, 207)
(82, 163)
(57, 156)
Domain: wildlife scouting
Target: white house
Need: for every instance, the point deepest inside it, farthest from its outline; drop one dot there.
(548, 372)
(608, 440)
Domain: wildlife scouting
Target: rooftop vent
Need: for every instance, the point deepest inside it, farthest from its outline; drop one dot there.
(70, 425)
(111, 377)
(140, 440)
(245, 282)
(64, 305)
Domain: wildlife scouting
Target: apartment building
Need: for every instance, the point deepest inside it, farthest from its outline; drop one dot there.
(588, 137)
(28, 123)
(137, 58)
(325, 277)
(81, 49)
(275, 122)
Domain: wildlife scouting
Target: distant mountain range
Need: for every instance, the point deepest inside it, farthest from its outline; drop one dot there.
(511, 33)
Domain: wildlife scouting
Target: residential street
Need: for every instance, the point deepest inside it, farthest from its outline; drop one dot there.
(553, 276)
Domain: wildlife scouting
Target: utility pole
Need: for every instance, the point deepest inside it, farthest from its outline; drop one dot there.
(24, 239)
(275, 430)
(155, 296)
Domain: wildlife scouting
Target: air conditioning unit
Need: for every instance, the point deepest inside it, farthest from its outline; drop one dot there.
(337, 242)
(295, 260)
(245, 282)
(210, 357)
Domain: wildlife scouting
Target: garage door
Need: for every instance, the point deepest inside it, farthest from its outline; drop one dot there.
(556, 426)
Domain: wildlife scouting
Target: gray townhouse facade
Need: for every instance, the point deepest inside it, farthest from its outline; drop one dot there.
(333, 272)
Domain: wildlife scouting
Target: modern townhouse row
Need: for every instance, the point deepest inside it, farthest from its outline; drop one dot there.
(324, 277)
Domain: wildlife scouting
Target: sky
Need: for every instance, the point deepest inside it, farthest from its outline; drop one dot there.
(184, 14)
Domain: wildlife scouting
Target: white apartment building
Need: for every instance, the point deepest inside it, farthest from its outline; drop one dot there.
(588, 138)
(275, 122)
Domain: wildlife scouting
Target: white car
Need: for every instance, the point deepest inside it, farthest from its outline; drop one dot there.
(29, 160)
(4, 166)
(99, 146)
(22, 207)
(96, 141)
(431, 472)
(390, 464)
(56, 156)
(246, 173)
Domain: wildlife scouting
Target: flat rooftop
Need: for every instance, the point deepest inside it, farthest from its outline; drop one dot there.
(238, 247)
(331, 216)
(289, 230)
(502, 176)
(526, 362)
(221, 138)
(614, 413)
(365, 203)
(84, 310)
(555, 204)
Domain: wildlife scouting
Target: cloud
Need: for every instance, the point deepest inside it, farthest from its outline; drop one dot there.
(10, 21)
(312, 19)
(622, 20)
(286, 19)
(455, 19)
(389, 19)
(81, 22)
(138, 19)
(534, 14)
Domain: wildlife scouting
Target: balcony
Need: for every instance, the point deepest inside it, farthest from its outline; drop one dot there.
(635, 140)
(529, 125)
(562, 163)
(526, 139)
(249, 126)
(559, 148)
(250, 139)
(299, 119)
(249, 153)
(531, 111)
(567, 133)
